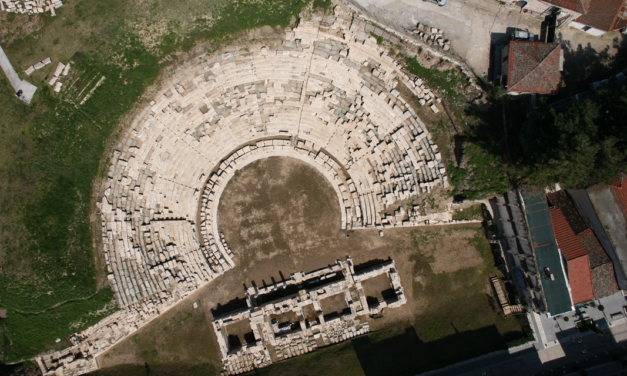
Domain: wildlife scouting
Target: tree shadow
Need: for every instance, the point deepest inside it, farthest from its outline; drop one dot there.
(584, 65)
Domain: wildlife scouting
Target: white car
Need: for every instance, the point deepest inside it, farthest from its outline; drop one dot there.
(439, 2)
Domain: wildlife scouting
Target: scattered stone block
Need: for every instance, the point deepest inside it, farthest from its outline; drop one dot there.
(59, 70)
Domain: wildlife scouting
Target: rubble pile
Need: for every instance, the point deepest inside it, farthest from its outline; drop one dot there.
(62, 69)
(31, 6)
(432, 36)
(37, 65)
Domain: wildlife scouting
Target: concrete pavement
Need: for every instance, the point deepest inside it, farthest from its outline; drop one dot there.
(28, 89)
(470, 25)
(473, 25)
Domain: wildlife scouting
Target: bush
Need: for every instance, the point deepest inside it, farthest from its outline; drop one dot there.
(601, 308)
(498, 92)
(566, 319)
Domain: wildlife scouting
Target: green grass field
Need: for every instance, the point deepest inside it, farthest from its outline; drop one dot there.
(52, 151)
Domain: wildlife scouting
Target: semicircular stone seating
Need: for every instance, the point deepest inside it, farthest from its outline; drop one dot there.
(326, 96)
(328, 101)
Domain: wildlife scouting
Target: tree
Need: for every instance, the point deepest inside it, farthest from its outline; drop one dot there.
(584, 143)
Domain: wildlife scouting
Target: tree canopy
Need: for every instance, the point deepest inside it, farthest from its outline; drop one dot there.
(583, 143)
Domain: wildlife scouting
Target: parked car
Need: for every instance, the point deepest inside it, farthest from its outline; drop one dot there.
(439, 2)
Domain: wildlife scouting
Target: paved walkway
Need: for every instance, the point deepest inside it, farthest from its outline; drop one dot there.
(28, 89)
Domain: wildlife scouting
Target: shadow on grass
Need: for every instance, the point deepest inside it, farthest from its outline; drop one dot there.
(406, 354)
(156, 369)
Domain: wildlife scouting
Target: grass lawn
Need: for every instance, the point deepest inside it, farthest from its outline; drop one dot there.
(469, 213)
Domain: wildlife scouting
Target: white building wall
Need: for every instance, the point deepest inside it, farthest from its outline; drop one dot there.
(595, 32)
(576, 25)
(586, 28)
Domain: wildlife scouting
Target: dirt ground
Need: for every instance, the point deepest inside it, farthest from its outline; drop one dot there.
(333, 304)
(279, 216)
(374, 287)
(452, 254)
(181, 341)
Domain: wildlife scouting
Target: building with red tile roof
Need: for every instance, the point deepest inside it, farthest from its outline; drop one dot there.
(580, 280)
(602, 270)
(594, 17)
(579, 6)
(576, 255)
(532, 67)
(589, 268)
(567, 241)
(604, 15)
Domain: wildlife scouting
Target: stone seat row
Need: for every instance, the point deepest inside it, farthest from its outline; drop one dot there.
(366, 210)
(167, 185)
(327, 96)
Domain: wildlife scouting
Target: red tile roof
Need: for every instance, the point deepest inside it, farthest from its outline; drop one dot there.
(579, 6)
(534, 67)
(590, 270)
(621, 22)
(603, 14)
(562, 200)
(596, 253)
(567, 241)
(604, 281)
(619, 189)
(601, 267)
(580, 280)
